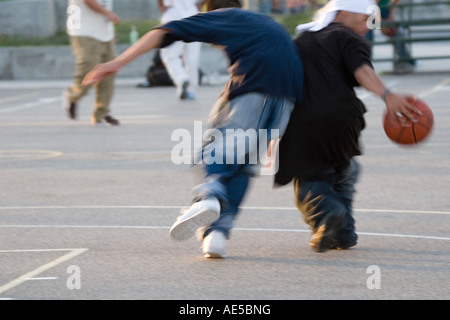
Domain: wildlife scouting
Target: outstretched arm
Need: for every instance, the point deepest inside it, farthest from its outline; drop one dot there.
(397, 105)
(151, 40)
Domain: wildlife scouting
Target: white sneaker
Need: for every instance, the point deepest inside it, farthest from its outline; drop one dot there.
(202, 213)
(214, 245)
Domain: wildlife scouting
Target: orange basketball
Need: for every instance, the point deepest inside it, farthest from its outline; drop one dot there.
(414, 132)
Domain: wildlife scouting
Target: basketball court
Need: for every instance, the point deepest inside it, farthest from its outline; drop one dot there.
(85, 211)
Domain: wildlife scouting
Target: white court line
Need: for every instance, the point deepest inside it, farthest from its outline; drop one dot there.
(141, 116)
(17, 155)
(366, 94)
(15, 98)
(32, 274)
(397, 235)
(181, 207)
(434, 89)
(35, 250)
(395, 146)
(30, 104)
(360, 233)
(439, 87)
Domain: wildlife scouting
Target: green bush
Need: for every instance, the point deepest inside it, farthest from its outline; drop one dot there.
(61, 38)
(290, 21)
(142, 26)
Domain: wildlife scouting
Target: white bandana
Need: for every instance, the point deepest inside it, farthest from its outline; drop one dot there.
(328, 13)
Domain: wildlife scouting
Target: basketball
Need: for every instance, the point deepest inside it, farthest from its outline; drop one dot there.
(414, 132)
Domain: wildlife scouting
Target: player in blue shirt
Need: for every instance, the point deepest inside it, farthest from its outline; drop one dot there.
(266, 78)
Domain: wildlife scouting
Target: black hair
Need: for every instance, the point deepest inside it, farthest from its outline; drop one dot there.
(217, 4)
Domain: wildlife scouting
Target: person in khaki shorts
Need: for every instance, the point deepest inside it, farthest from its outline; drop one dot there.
(90, 26)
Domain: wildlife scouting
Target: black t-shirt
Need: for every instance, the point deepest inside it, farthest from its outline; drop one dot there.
(325, 125)
(262, 55)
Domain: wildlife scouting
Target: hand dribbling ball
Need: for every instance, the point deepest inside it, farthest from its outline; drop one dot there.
(413, 132)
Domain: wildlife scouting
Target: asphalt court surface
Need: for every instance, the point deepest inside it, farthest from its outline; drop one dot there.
(85, 211)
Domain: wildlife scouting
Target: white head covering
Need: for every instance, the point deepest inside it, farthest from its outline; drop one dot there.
(328, 13)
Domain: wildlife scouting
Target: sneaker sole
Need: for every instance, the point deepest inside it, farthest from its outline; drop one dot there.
(344, 246)
(215, 252)
(324, 236)
(185, 229)
(214, 255)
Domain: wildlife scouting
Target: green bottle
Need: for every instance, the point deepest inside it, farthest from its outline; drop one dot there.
(134, 35)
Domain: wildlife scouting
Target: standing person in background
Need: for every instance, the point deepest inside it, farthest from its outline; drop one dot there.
(181, 59)
(401, 49)
(90, 26)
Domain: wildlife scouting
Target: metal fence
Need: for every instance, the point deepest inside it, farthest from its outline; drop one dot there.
(416, 22)
(280, 6)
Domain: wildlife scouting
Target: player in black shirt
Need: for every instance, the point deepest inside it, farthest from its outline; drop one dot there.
(318, 149)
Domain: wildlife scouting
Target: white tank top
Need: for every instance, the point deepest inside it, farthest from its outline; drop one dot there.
(179, 9)
(83, 21)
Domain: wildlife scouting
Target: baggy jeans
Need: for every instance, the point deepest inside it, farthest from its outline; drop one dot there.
(333, 191)
(228, 181)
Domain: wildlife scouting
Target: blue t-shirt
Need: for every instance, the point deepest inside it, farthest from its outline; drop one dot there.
(262, 55)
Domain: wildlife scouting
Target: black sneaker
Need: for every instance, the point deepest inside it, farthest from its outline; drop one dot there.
(70, 107)
(111, 121)
(184, 92)
(146, 84)
(323, 238)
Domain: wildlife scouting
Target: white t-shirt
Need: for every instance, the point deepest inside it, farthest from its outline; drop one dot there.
(83, 21)
(179, 9)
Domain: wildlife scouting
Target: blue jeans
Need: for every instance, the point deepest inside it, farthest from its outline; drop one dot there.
(228, 180)
(332, 191)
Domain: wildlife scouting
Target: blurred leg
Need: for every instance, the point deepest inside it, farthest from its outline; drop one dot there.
(85, 50)
(105, 88)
